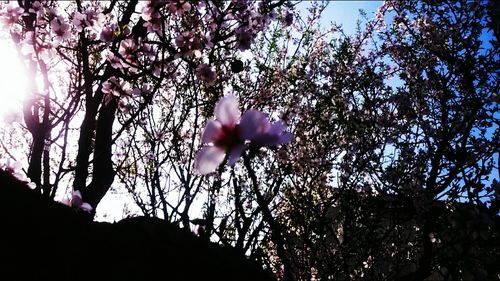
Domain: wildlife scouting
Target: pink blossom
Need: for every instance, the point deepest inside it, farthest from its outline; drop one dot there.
(255, 127)
(182, 40)
(144, 90)
(227, 136)
(77, 202)
(10, 15)
(259, 22)
(148, 51)
(90, 18)
(114, 60)
(222, 137)
(94, 18)
(36, 7)
(127, 48)
(78, 21)
(206, 74)
(244, 39)
(152, 17)
(108, 33)
(179, 7)
(60, 29)
(124, 104)
(113, 88)
(189, 44)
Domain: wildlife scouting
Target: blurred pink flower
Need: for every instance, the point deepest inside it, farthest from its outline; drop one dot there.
(77, 202)
(153, 18)
(114, 60)
(10, 15)
(222, 137)
(255, 127)
(228, 135)
(114, 88)
(36, 7)
(78, 21)
(189, 44)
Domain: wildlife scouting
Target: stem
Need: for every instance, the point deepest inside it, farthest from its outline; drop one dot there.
(276, 235)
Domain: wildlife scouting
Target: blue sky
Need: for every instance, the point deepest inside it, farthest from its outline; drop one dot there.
(345, 13)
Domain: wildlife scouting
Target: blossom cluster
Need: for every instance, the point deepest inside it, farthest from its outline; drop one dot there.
(234, 24)
(230, 134)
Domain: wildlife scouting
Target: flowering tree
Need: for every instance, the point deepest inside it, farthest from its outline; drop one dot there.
(396, 136)
(119, 57)
(97, 70)
(321, 154)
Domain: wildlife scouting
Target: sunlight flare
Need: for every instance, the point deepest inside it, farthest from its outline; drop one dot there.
(13, 80)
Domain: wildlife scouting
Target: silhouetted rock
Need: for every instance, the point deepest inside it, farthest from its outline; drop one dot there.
(45, 240)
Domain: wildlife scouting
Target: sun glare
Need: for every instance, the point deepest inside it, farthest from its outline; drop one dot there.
(13, 80)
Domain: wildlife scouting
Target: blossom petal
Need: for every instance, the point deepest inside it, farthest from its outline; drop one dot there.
(208, 159)
(86, 207)
(77, 193)
(76, 199)
(235, 154)
(227, 110)
(265, 139)
(277, 128)
(286, 137)
(252, 123)
(212, 130)
(268, 139)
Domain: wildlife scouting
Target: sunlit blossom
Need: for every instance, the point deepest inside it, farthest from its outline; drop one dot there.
(221, 135)
(114, 88)
(127, 50)
(10, 15)
(90, 20)
(60, 29)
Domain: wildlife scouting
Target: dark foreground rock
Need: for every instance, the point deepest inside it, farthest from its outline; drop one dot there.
(45, 240)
